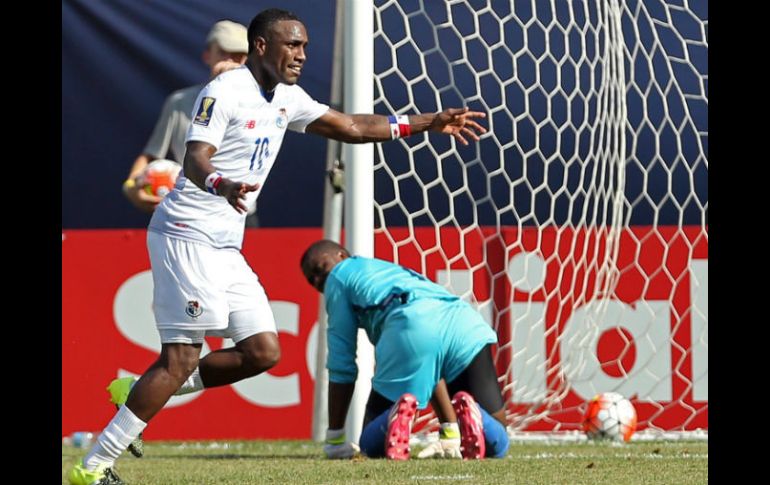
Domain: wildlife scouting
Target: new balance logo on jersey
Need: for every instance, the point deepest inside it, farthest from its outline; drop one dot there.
(204, 111)
(250, 124)
(193, 309)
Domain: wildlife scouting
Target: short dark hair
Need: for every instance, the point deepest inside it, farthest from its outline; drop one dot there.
(261, 24)
(321, 247)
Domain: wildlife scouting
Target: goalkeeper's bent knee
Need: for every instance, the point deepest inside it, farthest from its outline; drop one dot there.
(373, 436)
(495, 436)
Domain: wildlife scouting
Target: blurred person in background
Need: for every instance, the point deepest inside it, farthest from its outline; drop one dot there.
(226, 48)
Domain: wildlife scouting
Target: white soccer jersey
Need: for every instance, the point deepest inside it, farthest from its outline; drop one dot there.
(232, 114)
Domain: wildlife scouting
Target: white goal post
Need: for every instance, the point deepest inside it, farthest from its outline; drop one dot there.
(578, 224)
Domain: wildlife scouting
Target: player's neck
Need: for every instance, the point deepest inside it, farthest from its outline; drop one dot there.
(262, 78)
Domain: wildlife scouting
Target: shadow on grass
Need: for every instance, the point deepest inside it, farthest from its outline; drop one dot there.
(233, 456)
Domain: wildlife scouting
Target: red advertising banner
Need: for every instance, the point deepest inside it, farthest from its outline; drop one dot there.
(108, 328)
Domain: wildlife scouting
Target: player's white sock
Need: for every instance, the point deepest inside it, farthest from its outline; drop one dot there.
(192, 384)
(115, 438)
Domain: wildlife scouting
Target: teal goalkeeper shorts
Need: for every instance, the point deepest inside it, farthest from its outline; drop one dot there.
(426, 340)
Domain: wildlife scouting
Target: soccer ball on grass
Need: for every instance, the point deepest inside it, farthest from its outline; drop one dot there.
(609, 416)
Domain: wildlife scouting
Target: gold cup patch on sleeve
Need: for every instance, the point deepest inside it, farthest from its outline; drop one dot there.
(204, 111)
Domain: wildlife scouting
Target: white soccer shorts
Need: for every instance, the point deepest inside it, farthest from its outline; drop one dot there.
(199, 289)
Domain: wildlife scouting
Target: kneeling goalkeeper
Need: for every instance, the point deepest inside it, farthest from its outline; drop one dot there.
(421, 334)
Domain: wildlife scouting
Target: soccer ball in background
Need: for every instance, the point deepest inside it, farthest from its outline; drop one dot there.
(159, 177)
(609, 416)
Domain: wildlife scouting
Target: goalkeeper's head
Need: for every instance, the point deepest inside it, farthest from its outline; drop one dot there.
(318, 261)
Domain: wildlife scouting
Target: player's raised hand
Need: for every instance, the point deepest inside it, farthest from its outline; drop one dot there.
(459, 123)
(235, 193)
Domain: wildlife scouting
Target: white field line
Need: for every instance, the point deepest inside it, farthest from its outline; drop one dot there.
(440, 477)
(649, 456)
(557, 437)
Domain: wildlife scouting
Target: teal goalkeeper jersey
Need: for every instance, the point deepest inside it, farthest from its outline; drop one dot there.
(362, 292)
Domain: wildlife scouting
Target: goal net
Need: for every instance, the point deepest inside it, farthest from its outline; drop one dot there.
(578, 224)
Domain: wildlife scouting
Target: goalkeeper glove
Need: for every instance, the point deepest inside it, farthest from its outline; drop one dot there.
(335, 446)
(447, 446)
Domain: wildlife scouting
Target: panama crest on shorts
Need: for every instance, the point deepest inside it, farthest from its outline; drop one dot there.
(193, 309)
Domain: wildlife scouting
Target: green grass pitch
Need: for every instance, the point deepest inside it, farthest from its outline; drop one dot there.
(302, 462)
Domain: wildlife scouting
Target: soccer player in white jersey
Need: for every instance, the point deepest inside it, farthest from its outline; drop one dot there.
(226, 47)
(203, 285)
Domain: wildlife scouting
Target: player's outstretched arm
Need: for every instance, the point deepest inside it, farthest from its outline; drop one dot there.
(198, 168)
(459, 123)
